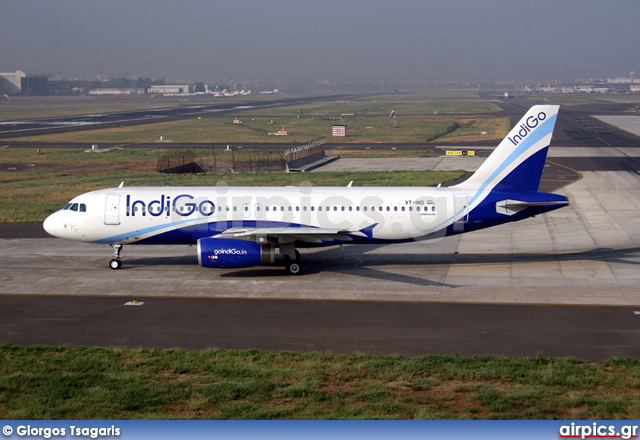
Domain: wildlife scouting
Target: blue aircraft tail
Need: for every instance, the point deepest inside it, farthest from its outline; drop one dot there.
(517, 163)
(505, 187)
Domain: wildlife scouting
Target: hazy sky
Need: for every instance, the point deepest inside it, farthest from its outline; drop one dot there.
(345, 40)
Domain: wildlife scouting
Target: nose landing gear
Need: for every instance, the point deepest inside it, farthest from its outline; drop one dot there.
(116, 263)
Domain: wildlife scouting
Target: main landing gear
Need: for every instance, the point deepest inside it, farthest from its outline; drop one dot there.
(116, 263)
(291, 259)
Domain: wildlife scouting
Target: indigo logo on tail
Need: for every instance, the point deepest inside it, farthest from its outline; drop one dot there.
(526, 128)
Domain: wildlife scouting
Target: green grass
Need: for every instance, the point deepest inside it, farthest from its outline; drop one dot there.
(470, 131)
(419, 119)
(42, 382)
(28, 201)
(405, 105)
(75, 156)
(135, 157)
(300, 130)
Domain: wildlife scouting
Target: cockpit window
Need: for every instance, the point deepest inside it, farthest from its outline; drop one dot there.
(75, 207)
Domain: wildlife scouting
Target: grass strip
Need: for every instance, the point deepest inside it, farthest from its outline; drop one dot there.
(42, 382)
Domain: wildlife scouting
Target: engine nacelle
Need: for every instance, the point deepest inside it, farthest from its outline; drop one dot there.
(228, 252)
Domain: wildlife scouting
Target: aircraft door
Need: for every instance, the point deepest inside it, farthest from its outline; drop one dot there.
(111, 210)
(460, 207)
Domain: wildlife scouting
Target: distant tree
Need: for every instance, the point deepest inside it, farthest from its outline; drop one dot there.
(159, 82)
(118, 83)
(199, 87)
(144, 83)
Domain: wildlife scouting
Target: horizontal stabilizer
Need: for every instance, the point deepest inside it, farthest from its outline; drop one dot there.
(510, 207)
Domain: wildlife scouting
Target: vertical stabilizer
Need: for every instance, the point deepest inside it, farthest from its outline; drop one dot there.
(517, 163)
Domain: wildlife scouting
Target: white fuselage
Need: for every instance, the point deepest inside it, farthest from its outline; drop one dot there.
(156, 214)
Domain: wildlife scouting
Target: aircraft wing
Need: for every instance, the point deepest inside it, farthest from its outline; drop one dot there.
(291, 234)
(285, 235)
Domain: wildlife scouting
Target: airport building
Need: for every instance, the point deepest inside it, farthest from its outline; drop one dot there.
(21, 83)
(125, 91)
(179, 89)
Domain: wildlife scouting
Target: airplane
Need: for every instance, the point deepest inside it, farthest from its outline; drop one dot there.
(236, 227)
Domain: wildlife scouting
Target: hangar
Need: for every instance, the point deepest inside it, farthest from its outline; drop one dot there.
(179, 89)
(19, 82)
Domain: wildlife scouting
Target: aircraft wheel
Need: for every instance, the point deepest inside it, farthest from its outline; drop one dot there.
(294, 268)
(115, 264)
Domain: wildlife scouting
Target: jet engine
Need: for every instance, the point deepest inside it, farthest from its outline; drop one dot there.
(229, 253)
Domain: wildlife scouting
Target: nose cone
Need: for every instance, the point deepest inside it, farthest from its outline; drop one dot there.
(51, 225)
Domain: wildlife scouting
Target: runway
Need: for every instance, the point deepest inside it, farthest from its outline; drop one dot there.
(562, 284)
(63, 124)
